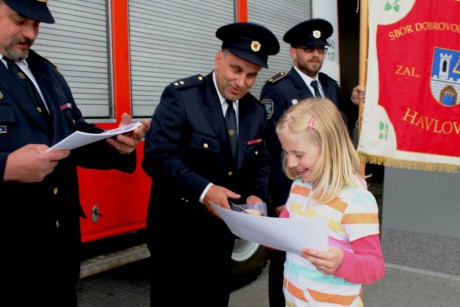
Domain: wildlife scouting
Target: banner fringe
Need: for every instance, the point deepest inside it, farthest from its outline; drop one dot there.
(412, 165)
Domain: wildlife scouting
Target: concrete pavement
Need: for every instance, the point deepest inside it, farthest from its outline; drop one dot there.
(400, 287)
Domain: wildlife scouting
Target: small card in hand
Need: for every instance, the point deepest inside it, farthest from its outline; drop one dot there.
(237, 208)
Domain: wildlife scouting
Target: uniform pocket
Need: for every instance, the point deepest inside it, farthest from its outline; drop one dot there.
(204, 142)
(6, 114)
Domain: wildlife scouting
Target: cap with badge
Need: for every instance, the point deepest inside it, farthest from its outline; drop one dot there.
(32, 9)
(313, 32)
(249, 41)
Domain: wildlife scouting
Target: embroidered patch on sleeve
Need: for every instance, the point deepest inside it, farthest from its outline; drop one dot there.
(268, 103)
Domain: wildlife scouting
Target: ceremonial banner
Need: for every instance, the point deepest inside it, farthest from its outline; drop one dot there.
(411, 114)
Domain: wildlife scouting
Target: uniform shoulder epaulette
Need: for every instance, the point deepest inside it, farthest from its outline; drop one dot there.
(187, 82)
(277, 77)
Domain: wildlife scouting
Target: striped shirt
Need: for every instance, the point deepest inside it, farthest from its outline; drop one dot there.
(351, 216)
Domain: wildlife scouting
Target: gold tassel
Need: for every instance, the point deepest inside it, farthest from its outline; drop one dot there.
(412, 165)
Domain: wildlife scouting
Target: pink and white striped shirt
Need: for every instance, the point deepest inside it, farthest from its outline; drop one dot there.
(353, 225)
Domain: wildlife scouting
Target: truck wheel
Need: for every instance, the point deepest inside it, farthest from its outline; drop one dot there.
(249, 259)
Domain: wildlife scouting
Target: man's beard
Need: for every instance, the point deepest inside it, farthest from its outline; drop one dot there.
(305, 67)
(13, 55)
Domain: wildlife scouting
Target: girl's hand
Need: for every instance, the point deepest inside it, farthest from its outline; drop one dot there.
(326, 262)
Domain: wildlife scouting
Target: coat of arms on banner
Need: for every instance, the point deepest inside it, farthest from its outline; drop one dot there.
(445, 76)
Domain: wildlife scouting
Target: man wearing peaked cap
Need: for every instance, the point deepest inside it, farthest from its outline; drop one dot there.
(313, 32)
(39, 191)
(33, 9)
(206, 145)
(249, 41)
(308, 47)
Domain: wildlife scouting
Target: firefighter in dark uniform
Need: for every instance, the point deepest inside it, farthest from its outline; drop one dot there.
(308, 41)
(188, 155)
(38, 188)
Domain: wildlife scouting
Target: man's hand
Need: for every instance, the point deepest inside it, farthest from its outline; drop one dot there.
(218, 195)
(32, 163)
(252, 200)
(358, 94)
(126, 143)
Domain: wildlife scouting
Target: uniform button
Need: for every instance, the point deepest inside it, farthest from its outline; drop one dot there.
(200, 78)
(55, 191)
(176, 84)
(205, 145)
(57, 224)
(181, 82)
(39, 109)
(256, 153)
(230, 173)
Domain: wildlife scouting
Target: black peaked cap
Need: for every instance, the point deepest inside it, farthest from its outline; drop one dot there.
(34, 9)
(249, 41)
(313, 32)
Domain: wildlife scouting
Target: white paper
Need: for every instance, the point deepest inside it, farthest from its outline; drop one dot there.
(79, 138)
(291, 235)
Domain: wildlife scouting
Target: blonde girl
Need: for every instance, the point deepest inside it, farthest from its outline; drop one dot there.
(321, 159)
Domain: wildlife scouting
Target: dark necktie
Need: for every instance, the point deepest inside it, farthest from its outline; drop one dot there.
(314, 84)
(27, 86)
(230, 120)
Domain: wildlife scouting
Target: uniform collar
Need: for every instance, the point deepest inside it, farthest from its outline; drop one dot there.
(305, 78)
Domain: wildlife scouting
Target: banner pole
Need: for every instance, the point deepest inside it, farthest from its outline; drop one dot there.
(363, 49)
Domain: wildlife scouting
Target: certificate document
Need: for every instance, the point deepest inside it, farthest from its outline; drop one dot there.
(79, 138)
(291, 235)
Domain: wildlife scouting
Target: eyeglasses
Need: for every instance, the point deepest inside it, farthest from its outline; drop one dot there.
(311, 49)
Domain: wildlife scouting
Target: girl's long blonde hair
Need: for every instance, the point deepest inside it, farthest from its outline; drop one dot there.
(338, 165)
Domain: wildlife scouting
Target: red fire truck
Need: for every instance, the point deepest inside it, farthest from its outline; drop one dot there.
(117, 56)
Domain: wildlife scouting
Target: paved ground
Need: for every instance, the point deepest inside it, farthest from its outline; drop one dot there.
(401, 287)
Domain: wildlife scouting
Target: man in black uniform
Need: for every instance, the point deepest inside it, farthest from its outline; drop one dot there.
(190, 156)
(308, 42)
(39, 196)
